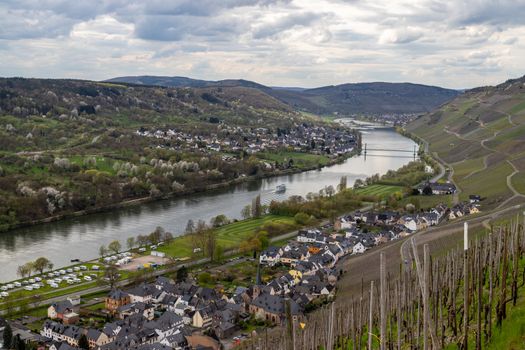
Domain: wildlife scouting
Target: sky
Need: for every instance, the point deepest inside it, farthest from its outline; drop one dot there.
(306, 43)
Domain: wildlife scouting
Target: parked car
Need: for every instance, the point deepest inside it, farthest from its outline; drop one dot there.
(83, 267)
(87, 278)
(28, 288)
(4, 294)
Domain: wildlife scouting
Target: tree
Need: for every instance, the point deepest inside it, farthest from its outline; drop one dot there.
(156, 235)
(302, 218)
(111, 276)
(329, 190)
(219, 252)
(256, 207)
(83, 342)
(358, 183)
(8, 336)
(168, 237)
(342, 184)
(182, 274)
(219, 220)
(190, 227)
(23, 271)
(246, 212)
(115, 246)
(41, 264)
(17, 343)
(102, 251)
(130, 242)
(142, 240)
(210, 242)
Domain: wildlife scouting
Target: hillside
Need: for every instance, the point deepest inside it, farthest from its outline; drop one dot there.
(68, 145)
(366, 98)
(481, 135)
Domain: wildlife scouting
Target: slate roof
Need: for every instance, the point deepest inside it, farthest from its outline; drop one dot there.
(275, 304)
(117, 294)
(62, 306)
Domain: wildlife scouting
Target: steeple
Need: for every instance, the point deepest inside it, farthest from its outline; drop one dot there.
(258, 280)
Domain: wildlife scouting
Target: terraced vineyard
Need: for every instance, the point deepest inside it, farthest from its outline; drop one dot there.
(481, 137)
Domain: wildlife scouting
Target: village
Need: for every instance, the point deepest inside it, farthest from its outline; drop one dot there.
(232, 140)
(166, 314)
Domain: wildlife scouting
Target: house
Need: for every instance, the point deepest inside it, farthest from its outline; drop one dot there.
(270, 256)
(96, 338)
(272, 308)
(359, 248)
(202, 318)
(474, 198)
(442, 188)
(225, 330)
(115, 299)
(140, 308)
(63, 310)
(142, 293)
(61, 333)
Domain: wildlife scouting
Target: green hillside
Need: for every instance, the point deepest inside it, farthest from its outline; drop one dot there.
(481, 137)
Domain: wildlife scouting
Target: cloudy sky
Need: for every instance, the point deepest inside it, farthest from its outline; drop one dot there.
(452, 43)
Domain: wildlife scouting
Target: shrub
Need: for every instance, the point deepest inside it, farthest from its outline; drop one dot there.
(302, 218)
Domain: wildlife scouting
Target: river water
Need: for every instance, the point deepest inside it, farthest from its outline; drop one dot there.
(81, 237)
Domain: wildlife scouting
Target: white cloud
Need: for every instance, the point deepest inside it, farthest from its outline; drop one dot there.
(276, 42)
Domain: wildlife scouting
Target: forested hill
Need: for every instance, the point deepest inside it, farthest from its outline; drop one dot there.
(71, 146)
(481, 135)
(367, 98)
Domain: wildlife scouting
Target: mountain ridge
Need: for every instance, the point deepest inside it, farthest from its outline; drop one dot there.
(345, 99)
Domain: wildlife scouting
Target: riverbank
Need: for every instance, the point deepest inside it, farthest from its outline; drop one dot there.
(181, 194)
(81, 237)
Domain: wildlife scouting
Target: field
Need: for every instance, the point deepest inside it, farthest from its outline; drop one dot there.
(380, 190)
(228, 237)
(427, 202)
(300, 160)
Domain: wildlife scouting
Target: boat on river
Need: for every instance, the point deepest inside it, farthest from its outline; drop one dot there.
(280, 189)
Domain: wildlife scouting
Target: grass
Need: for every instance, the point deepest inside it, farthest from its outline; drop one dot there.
(427, 202)
(380, 190)
(464, 168)
(301, 160)
(490, 183)
(511, 334)
(228, 236)
(518, 181)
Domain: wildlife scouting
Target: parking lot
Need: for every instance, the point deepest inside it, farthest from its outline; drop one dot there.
(140, 262)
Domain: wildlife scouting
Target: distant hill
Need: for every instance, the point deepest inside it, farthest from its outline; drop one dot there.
(372, 98)
(481, 135)
(368, 98)
(184, 82)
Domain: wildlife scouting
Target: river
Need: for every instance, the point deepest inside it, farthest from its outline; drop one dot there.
(81, 237)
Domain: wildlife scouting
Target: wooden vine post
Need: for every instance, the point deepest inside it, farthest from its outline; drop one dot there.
(466, 286)
(383, 300)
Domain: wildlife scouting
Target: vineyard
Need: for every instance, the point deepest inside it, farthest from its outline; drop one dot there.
(457, 301)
